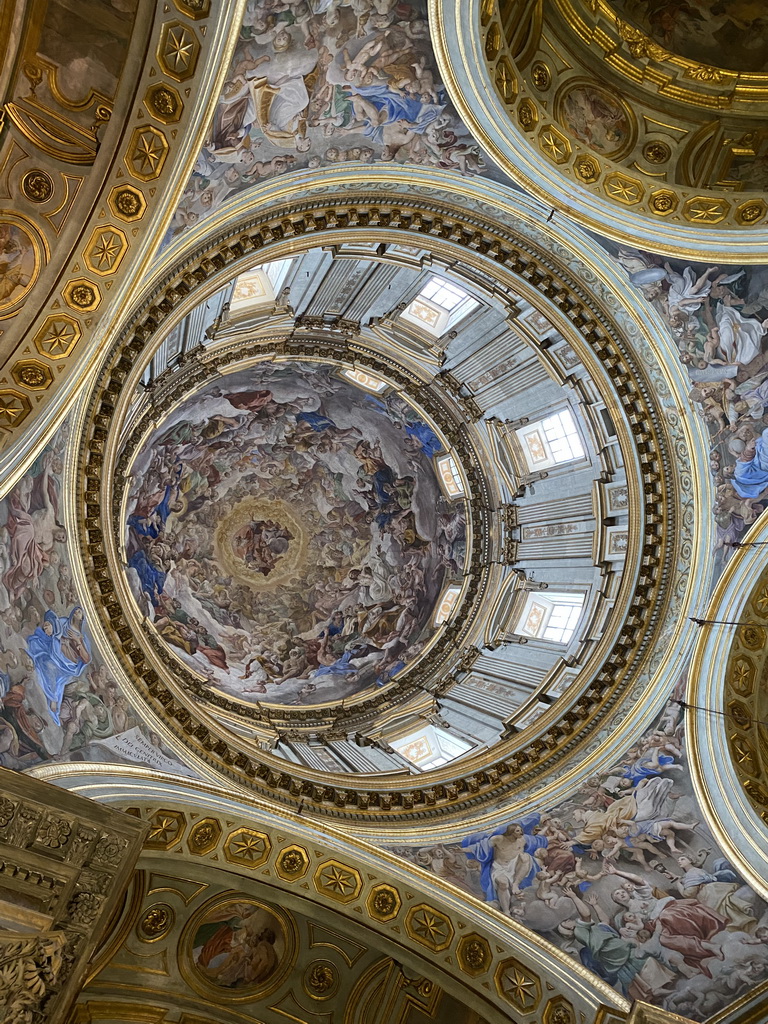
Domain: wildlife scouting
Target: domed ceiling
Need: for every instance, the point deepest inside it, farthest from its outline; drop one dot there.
(388, 501)
(727, 35)
(287, 533)
(626, 115)
(375, 507)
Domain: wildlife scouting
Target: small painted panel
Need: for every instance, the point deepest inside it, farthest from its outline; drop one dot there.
(238, 947)
(597, 118)
(20, 261)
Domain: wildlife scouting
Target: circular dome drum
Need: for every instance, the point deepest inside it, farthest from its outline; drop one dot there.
(522, 641)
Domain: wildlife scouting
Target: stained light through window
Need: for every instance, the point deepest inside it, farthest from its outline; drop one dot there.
(563, 437)
(443, 293)
(365, 380)
(431, 747)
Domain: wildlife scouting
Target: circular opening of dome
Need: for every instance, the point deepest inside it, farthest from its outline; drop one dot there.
(288, 534)
(363, 509)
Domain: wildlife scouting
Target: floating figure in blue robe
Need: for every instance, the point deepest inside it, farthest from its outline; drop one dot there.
(60, 650)
(375, 468)
(152, 579)
(424, 437)
(391, 107)
(150, 521)
(506, 858)
(650, 764)
(317, 422)
(750, 474)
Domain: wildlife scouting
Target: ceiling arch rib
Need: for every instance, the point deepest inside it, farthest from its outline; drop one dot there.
(417, 920)
(103, 111)
(726, 713)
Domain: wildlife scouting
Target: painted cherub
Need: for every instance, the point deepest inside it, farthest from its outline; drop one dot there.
(543, 883)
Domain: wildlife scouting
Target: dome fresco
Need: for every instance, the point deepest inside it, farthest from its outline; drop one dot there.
(729, 34)
(286, 533)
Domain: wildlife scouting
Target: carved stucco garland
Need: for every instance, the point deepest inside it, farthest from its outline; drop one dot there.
(442, 222)
(29, 970)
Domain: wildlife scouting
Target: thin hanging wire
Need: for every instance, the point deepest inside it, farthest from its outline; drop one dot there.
(722, 714)
(723, 622)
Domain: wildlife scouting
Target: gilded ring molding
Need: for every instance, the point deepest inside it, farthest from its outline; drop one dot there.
(645, 445)
(728, 709)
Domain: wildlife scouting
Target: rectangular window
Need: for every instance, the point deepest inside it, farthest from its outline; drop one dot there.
(449, 475)
(549, 616)
(443, 293)
(261, 286)
(563, 437)
(431, 747)
(277, 271)
(562, 623)
(440, 305)
(551, 441)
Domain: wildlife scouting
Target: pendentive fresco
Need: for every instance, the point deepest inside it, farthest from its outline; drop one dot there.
(626, 878)
(313, 85)
(718, 318)
(58, 700)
